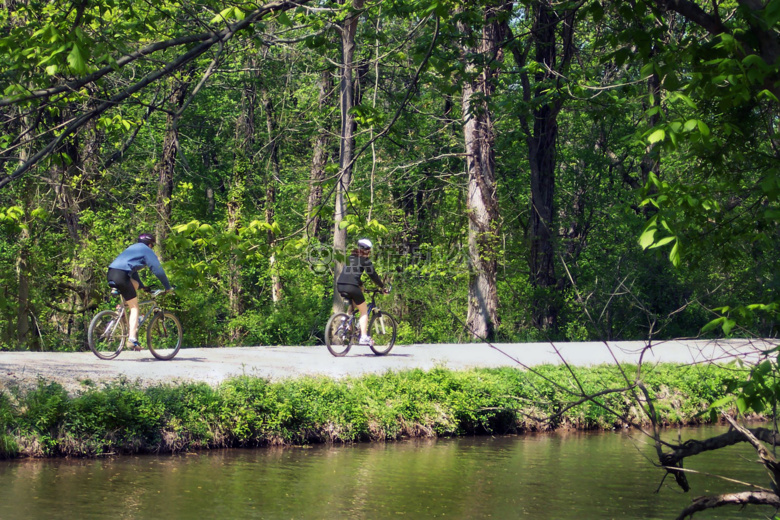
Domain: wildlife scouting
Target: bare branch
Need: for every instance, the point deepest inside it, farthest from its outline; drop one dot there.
(730, 499)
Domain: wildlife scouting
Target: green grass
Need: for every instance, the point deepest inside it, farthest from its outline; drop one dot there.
(123, 417)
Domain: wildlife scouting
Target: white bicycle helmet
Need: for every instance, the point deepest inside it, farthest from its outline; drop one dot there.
(364, 243)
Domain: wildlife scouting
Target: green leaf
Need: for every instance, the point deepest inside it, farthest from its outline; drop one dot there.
(772, 13)
(713, 324)
(283, 19)
(647, 238)
(674, 254)
(223, 15)
(76, 60)
(663, 242)
(657, 136)
(728, 324)
(722, 401)
(772, 214)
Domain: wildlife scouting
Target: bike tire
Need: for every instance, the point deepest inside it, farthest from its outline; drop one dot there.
(338, 337)
(383, 329)
(106, 336)
(164, 335)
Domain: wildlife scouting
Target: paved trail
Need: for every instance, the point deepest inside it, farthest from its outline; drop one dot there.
(213, 365)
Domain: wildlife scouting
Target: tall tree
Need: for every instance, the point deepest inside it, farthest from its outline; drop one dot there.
(242, 168)
(166, 167)
(319, 158)
(551, 45)
(482, 54)
(347, 101)
(272, 178)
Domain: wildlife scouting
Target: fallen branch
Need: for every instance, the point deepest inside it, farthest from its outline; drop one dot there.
(757, 498)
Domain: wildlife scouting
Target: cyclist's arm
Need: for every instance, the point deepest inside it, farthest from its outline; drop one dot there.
(373, 274)
(154, 264)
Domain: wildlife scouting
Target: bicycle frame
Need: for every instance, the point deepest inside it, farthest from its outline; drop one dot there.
(122, 314)
(371, 308)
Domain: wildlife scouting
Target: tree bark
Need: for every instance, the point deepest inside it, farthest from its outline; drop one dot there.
(73, 182)
(242, 165)
(24, 333)
(167, 164)
(542, 133)
(346, 143)
(758, 498)
(270, 193)
(482, 203)
(319, 161)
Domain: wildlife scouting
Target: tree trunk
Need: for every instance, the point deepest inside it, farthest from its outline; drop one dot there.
(73, 189)
(319, 161)
(167, 165)
(554, 56)
(242, 164)
(25, 336)
(482, 203)
(346, 144)
(270, 194)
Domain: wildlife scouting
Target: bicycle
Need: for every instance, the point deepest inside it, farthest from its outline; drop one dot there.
(343, 329)
(107, 334)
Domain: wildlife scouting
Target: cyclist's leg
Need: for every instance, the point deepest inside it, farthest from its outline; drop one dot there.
(355, 295)
(128, 288)
(132, 306)
(363, 308)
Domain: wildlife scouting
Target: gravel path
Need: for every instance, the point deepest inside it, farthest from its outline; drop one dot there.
(214, 365)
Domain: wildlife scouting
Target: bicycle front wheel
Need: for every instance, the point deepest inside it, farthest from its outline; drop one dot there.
(163, 335)
(338, 336)
(106, 334)
(382, 329)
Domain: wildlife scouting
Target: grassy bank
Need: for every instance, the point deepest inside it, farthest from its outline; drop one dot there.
(125, 418)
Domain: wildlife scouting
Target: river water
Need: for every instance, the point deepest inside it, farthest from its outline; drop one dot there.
(536, 476)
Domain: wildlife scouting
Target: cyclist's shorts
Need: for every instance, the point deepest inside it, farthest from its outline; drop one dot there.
(352, 292)
(122, 281)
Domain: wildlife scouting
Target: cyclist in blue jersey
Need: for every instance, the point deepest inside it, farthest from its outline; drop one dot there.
(349, 283)
(123, 275)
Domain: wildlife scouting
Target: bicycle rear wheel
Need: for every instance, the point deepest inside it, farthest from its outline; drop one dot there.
(106, 335)
(338, 334)
(382, 329)
(163, 335)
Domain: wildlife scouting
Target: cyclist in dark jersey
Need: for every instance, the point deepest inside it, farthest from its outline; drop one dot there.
(349, 282)
(123, 275)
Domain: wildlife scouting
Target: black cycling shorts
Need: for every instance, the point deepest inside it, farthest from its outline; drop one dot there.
(123, 283)
(352, 292)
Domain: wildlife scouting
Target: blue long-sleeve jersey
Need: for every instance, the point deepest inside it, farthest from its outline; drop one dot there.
(138, 256)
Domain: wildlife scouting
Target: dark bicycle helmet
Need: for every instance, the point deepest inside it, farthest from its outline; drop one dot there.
(364, 243)
(147, 238)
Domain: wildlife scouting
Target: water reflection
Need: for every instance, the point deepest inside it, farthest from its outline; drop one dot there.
(533, 476)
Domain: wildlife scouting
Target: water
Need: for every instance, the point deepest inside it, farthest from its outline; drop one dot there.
(545, 476)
